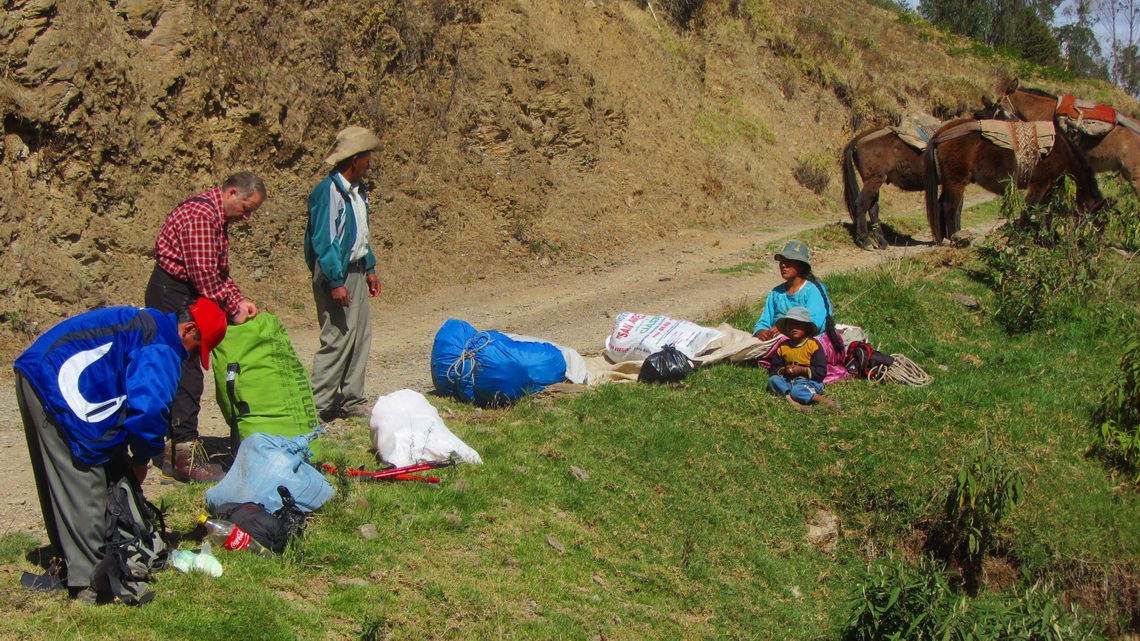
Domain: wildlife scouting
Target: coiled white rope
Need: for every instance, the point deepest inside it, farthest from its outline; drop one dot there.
(905, 372)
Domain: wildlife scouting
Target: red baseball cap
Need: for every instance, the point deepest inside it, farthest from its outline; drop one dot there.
(212, 323)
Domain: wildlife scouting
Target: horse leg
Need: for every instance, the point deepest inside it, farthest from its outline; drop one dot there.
(951, 208)
(867, 203)
(876, 226)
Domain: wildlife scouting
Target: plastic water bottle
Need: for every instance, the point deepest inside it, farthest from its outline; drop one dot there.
(205, 561)
(232, 537)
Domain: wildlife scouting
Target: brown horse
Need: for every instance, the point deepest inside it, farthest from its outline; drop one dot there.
(1118, 150)
(960, 154)
(880, 157)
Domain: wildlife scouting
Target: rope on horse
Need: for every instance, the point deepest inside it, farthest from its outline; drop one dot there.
(906, 372)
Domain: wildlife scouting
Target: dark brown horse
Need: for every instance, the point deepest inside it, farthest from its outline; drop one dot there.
(959, 154)
(879, 157)
(1118, 150)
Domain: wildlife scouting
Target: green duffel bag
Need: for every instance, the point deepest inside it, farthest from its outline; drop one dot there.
(260, 383)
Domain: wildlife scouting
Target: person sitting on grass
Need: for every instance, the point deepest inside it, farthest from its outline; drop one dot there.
(799, 366)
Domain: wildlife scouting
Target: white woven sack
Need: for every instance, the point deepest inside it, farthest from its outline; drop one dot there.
(636, 336)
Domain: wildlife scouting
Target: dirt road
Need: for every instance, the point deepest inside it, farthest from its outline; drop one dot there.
(572, 308)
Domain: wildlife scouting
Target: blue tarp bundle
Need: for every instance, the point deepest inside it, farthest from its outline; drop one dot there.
(489, 367)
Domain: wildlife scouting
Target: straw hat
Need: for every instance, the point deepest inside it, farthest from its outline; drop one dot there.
(351, 141)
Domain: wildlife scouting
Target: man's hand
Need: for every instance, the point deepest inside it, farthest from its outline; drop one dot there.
(767, 334)
(373, 285)
(140, 469)
(246, 310)
(340, 296)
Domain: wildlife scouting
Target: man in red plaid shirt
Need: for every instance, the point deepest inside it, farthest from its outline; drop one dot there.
(192, 260)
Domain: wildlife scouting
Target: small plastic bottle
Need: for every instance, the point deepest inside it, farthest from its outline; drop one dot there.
(207, 562)
(186, 560)
(232, 537)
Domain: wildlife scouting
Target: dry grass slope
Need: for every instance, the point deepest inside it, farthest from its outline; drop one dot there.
(518, 134)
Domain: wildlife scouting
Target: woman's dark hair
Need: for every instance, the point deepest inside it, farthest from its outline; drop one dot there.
(829, 320)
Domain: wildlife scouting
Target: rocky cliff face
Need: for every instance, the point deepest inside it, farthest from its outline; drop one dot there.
(519, 134)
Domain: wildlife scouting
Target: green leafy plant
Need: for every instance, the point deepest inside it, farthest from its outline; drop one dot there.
(1040, 274)
(1119, 412)
(919, 602)
(985, 491)
(898, 601)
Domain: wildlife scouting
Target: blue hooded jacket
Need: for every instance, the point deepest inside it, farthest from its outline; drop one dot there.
(331, 232)
(107, 377)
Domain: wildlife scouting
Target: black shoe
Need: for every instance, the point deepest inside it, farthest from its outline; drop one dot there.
(48, 582)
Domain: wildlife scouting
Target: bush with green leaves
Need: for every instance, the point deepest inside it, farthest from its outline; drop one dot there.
(984, 493)
(1042, 273)
(916, 602)
(1119, 413)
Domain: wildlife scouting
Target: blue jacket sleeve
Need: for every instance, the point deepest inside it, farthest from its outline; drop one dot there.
(321, 237)
(152, 379)
(768, 317)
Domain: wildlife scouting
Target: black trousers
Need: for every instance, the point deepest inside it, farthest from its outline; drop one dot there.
(169, 294)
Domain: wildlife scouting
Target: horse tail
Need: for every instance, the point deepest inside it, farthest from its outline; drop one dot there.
(932, 181)
(850, 179)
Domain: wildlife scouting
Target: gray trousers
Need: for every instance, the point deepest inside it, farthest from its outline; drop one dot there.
(73, 494)
(346, 339)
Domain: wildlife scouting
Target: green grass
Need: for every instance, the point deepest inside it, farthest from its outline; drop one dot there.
(692, 524)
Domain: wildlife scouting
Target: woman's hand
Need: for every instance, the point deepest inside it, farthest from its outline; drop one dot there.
(767, 334)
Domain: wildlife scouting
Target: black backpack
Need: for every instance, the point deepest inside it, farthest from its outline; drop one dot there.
(864, 361)
(134, 544)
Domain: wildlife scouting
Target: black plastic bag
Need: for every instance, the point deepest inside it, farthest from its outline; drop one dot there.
(666, 366)
(291, 516)
(264, 527)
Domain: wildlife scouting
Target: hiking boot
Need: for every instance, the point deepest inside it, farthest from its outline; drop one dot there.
(192, 465)
(356, 412)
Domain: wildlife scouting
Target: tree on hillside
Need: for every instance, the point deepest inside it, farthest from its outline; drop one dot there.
(1018, 25)
(1079, 44)
(1119, 22)
(1128, 77)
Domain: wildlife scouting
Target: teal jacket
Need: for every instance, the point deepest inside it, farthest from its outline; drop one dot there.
(331, 232)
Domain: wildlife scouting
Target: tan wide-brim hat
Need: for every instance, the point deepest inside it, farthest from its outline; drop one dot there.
(351, 141)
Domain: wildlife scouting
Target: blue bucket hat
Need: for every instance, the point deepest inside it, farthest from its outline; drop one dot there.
(795, 250)
(800, 314)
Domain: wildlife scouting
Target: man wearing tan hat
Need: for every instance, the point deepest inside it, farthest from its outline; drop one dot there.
(340, 257)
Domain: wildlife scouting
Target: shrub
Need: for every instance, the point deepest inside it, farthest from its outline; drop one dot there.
(919, 603)
(1119, 413)
(813, 171)
(1041, 274)
(984, 493)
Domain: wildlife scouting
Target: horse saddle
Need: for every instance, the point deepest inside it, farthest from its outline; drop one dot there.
(1019, 136)
(915, 137)
(1086, 117)
(1070, 106)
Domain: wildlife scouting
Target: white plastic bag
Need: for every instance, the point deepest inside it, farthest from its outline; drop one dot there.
(636, 336)
(407, 429)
